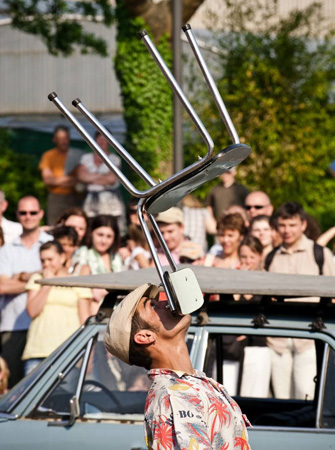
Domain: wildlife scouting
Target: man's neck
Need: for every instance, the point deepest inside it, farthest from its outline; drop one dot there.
(290, 248)
(177, 360)
(30, 237)
(62, 151)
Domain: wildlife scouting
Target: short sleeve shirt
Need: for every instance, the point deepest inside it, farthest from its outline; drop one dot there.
(55, 160)
(16, 258)
(186, 411)
(221, 198)
(87, 160)
(57, 321)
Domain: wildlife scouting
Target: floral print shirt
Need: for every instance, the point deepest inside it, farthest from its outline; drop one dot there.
(192, 412)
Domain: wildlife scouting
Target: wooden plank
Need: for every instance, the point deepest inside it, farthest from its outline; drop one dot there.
(214, 281)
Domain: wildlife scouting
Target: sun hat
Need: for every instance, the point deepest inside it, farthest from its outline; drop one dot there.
(172, 215)
(117, 334)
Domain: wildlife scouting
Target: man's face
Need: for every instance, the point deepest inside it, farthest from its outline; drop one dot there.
(291, 230)
(258, 204)
(29, 214)
(160, 317)
(228, 177)
(62, 140)
(173, 234)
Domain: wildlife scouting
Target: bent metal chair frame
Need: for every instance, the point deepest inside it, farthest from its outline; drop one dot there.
(162, 195)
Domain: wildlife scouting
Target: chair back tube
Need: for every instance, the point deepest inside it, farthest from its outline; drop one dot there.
(113, 142)
(158, 265)
(211, 84)
(94, 146)
(179, 92)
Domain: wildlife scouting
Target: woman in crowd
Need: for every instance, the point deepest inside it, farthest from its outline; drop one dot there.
(101, 253)
(251, 253)
(255, 380)
(103, 188)
(260, 228)
(231, 229)
(76, 218)
(56, 312)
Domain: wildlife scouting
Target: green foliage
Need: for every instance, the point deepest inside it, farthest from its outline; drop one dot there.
(277, 81)
(56, 23)
(19, 175)
(147, 98)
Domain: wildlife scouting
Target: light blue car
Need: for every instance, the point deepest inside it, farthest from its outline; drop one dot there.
(82, 398)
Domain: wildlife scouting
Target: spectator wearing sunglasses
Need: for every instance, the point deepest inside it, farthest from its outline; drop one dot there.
(258, 203)
(18, 261)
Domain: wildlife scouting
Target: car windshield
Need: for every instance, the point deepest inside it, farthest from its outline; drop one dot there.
(9, 400)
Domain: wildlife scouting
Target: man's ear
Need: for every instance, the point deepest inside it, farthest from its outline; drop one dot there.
(304, 225)
(145, 337)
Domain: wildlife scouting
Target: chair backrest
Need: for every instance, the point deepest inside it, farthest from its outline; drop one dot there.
(162, 195)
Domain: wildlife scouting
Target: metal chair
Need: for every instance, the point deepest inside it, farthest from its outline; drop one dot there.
(183, 292)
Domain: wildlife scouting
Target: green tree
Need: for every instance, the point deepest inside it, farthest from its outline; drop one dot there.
(19, 175)
(277, 78)
(147, 99)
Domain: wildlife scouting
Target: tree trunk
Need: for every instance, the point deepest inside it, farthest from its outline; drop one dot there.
(158, 15)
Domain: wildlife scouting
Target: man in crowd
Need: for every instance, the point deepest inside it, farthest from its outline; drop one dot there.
(258, 203)
(58, 173)
(18, 261)
(11, 230)
(184, 408)
(171, 225)
(296, 255)
(228, 192)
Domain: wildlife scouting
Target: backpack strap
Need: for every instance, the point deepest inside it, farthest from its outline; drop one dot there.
(269, 258)
(319, 257)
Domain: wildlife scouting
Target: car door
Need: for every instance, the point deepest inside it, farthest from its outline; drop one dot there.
(290, 422)
(81, 402)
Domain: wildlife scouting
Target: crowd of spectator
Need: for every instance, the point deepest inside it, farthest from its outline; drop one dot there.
(244, 231)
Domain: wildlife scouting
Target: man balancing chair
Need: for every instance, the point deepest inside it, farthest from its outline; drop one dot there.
(181, 287)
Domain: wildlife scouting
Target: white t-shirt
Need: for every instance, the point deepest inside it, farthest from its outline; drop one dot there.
(11, 230)
(87, 160)
(132, 263)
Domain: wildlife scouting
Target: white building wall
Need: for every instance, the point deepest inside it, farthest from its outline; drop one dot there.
(28, 74)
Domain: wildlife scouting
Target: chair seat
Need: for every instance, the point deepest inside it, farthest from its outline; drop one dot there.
(223, 161)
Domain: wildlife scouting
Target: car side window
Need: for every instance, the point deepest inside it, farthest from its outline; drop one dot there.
(273, 378)
(112, 387)
(57, 401)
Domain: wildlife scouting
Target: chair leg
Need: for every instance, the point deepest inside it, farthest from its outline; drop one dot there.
(159, 268)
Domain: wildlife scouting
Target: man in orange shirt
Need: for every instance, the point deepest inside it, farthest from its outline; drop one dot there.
(58, 176)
